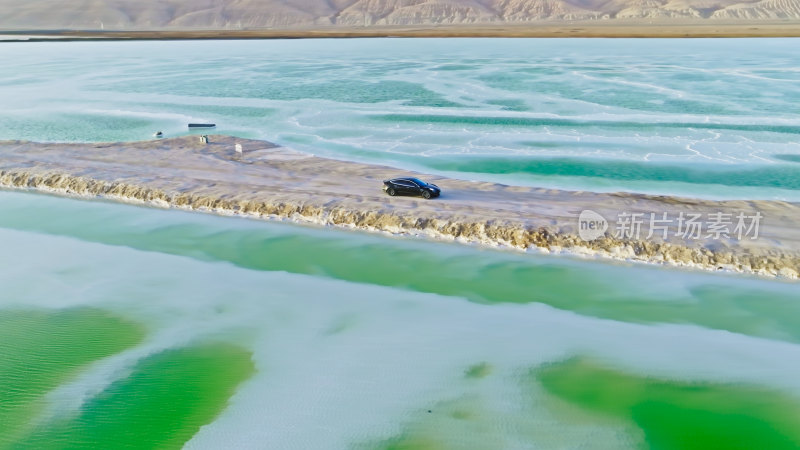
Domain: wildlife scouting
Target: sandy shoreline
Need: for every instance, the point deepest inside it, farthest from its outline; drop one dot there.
(593, 29)
(269, 181)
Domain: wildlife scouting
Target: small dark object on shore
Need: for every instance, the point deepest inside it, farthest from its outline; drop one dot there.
(158, 134)
(411, 186)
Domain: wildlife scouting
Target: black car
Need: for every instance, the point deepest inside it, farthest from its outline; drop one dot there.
(411, 186)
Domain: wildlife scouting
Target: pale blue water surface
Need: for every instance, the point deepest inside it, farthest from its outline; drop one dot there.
(701, 117)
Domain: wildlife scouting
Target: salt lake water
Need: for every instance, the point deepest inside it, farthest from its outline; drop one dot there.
(126, 326)
(129, 326)
(697, 117)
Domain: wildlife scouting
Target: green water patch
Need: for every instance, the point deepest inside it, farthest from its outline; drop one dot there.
(678, 414)
(621, 293)
(161, 404)
(41, 349)
(486, 277)
(778, 176)
(529, 122)
(477, 371)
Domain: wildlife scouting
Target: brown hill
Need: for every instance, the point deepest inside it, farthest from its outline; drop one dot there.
(286, 14)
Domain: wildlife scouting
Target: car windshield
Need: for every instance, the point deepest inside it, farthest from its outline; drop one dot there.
(418, 181)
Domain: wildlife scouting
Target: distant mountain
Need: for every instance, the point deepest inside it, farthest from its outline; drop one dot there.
(233, 14)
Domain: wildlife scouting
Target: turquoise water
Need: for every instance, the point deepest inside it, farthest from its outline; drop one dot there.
(147, 327)
(713, 118)
(133, 327)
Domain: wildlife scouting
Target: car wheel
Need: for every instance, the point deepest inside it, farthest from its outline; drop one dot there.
(426, 195)
(391, 192)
